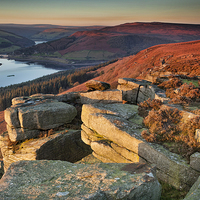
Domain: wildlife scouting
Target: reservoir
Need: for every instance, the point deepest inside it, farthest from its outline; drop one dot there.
(13, 72)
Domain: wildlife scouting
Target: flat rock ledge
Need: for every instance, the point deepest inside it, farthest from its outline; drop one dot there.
(114, 133)
(63, 180)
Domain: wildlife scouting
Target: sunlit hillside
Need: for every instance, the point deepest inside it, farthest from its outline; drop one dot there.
(177, 57)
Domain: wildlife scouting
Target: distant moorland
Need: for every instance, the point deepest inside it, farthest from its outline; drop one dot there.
(110, 42)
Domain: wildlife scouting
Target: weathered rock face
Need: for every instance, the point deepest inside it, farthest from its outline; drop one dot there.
(114, 133)
(106, 96)
(195, 161)
(136, 91)
(62, 145)
(64, 180)
(71, 97)
(26, 118)
(97, 85)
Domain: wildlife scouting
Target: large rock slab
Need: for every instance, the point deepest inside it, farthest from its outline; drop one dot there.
(64, 180)
(63, 145)
(24, 120)
(46, 115)
(109, 124)
(106, 96)
(125, 111)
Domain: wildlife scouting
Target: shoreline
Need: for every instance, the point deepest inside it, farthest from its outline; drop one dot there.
(58, 63)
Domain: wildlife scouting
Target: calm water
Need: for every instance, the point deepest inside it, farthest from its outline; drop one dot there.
(13, 72)
(39, 42)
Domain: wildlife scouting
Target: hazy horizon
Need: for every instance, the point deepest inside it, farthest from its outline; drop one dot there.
(96, 13)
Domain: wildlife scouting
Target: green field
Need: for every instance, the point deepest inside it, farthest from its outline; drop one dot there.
(194, 82)
(4, 40)
(8, 49)
(89, 55)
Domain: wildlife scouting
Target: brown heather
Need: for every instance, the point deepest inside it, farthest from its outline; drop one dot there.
(172, 83)
(146, 106)
(187, 93)
(165, 126)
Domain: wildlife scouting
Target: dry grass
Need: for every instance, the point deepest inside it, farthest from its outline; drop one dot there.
(146, 106)
(173, 82)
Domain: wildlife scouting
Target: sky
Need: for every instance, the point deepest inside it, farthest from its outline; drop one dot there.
(98, 12)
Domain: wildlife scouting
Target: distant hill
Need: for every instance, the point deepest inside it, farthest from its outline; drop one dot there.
(60, 32)
(113, 42)
(25, 30)
(172, 31)
(180, 58)
(10, 42)
(44, 32)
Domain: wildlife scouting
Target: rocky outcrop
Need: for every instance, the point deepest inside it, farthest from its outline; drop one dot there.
(129, 90)
(135, 91)
(29, 115)
(114, 134)
(97, 85)
(110, 129)
(64, 180)
(32, 123)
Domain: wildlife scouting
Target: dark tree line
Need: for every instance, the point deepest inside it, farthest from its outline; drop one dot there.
(50, 84)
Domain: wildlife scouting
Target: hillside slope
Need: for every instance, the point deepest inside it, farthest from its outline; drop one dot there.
(10, 42)
(177, 58)
(113, 42)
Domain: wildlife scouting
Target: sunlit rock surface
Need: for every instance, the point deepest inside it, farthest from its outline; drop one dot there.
(64, 180)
